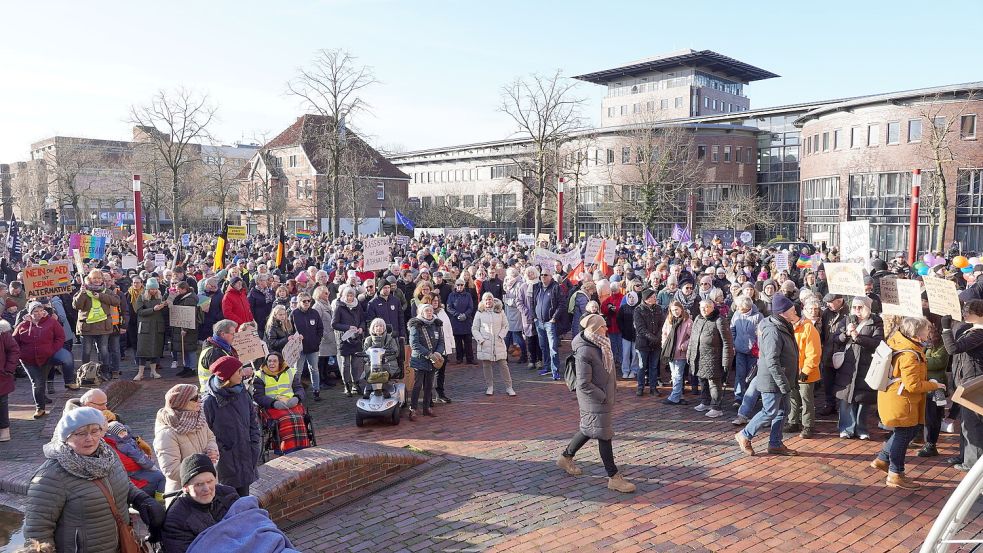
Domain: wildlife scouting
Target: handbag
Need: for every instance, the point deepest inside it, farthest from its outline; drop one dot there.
(128, 542)
(435, 357)
(838, 359)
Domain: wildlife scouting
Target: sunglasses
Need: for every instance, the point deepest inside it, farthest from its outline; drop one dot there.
(306, 301)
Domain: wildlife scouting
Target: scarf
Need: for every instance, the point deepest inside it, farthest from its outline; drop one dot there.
(184, 422)
(604, 343)
(88, 467)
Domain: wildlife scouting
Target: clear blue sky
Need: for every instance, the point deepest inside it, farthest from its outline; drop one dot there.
(74, 68)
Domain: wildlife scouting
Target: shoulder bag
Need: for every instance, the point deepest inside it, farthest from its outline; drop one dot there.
(128, 542)
(435, 356)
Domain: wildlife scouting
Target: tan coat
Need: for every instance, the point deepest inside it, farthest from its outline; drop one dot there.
(908, 408)
(489, 329)
(172, 448)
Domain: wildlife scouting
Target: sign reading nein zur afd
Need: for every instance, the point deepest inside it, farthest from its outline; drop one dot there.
(48, 280)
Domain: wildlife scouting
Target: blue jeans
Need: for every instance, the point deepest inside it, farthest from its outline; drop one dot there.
(648, 365)
(616, 347)
(750, 400)
(629, 361)
(677, 367)
(155, 480)
(64, 358)
(896, 446)
(744, 363)
(515, 337)
(549, 343)
(309, 361)
(101, 342)
(853, 418)
(38, 376)
(114, 353)
(774, 410)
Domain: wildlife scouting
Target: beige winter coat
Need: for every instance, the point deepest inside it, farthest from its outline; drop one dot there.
(172, 448)
(489, 330)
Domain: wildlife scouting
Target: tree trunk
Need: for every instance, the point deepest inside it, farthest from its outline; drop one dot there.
(175, 200)
(941, 205)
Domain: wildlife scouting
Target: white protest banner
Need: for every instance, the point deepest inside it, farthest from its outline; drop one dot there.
(160, 260)
(943, 298)
(781, 261)
(236, 232)
(571, 258)
(248, 345)
(130, 262)
(855, 241)
(102, 233)
(403, 240)
(845, 278)
(905, 296)
(820, 237)
(51, 279)
(527, 240)
(183, 316)
(292, 351)
(544, 258)
(594, 245)
(377, 254)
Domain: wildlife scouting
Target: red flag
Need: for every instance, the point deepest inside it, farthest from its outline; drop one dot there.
(599, 260)
(574, 275)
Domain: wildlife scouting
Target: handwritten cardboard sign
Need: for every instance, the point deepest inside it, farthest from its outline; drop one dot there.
(544, 258)
(943, 298)
(855, 241)
(130, 262)
(377, 254)
(570, 259)
(236, 232)
(160, 260)
(901, 297)
(48, 280)
(248, 345)
(183, 316)
(845, 278)
(781, 261)
(594, 245)
(292, 351)
(527, 239)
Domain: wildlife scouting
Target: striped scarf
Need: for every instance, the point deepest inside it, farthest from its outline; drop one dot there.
(604, 343)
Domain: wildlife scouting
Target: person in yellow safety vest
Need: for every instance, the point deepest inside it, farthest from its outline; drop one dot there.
(277, 389)
(218, 345)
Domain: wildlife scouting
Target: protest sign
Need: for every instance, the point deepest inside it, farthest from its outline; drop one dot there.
(130, 262)
(845, 278)
(544, 258)
(543, 237)
(746, 237)
(185, 240)
(855, 241)
(403, 240)
(901, 297)
(236, 232)
(102, 233)
(48, 280)
(943, 298)
(594, 245)
(91, 247)
(248, 345)
(781, 261)
(79, 266)
(183, 316)
(377, 254)
(570, 259)
(160, 260)
(527, 240)
(292, 351)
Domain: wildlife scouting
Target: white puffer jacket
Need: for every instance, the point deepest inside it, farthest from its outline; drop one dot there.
(489, 330)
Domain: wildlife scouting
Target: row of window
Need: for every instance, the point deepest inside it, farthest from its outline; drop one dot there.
(872, 135)
(649, 107)
(449, 175)
(503, 206)
(741, 155)
(723, 107)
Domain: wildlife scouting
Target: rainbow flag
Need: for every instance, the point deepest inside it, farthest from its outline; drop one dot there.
(304, 233)
(804, 262)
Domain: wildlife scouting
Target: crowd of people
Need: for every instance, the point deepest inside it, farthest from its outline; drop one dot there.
(712, 326)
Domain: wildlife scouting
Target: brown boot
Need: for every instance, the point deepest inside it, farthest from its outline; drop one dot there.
(744, 444)
(567, 464)
(619, 484)
(38, 413)
(879, 465)
(895, 480)
(784, 451)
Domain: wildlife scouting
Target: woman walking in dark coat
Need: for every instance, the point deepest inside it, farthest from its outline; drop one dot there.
(596, 386)
(185, 340)
(461, 307)
(860, 334)
(231, 414)
(149, 308)
(711, 348)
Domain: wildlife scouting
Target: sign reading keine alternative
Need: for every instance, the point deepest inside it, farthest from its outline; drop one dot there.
(48, 280)
(855, 241)
(183, 316)
(905, 297)
(376, 252)
(845, 278)
(248, 345)
(943, 298)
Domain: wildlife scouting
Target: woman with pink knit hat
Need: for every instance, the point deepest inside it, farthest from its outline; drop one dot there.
(180, 431)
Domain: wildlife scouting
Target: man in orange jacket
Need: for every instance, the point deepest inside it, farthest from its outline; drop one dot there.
(802, 407)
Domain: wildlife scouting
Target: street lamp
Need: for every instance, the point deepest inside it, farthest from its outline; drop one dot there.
(382, 220)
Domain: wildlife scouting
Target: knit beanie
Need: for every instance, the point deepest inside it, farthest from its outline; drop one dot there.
(77, 418)
(116, 429)
(152, 284)
(195, 464)
(177, 397)
(781, 304)
(593, 323)
(224, 367)
(647, 293)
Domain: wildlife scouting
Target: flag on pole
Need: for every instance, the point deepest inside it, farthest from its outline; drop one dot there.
(575, 274)
(404, 220)
(599, 260)
(681, 234)
(13, 240)
(281, 250)
(649, 239)
(304, 233)
(219, 263)
(804, 262)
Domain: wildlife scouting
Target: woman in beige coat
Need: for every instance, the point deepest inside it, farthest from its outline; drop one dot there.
(180, 431)
(489, 329)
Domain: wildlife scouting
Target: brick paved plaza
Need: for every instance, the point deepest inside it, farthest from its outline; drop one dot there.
(491, 483)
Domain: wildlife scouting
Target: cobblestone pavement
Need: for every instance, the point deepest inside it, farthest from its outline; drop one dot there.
(494, 484)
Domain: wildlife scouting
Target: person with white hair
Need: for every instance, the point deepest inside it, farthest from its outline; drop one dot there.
(489, 330)
(860, 335)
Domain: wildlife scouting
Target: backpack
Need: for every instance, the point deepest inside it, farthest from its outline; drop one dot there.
(570, 372)
(879, 375)
(90, 375)
(572, 302)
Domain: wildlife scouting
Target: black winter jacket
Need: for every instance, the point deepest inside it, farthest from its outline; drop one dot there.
(186, 518)
(308, 324)
(648, 321)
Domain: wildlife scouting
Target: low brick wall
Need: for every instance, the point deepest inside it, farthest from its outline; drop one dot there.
(292, 486)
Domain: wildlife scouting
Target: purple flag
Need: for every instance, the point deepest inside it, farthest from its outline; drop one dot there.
(649, 239)
(677, 232)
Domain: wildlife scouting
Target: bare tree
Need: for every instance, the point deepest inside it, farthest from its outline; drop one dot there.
(173, 122)
(742, 210)
(76, 173)
(331, 87)
(220, 179)
(546, 113)
(155, 186)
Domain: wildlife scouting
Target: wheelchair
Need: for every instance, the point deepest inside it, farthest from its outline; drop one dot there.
(271, 434)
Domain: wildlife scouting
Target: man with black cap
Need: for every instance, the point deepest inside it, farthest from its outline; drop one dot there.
(834, 316)
(648, 320)
(778, 365)
(202, 503)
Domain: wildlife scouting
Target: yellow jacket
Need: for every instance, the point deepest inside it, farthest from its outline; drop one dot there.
(908, 407)
(810, 350)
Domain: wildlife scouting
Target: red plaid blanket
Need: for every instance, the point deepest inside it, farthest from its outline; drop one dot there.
(291, 429)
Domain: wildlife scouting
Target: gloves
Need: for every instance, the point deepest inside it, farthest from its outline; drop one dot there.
(947, 322)
(461, 317)
(151, 512)
(279, 404)
(292, 402)
(802, 377)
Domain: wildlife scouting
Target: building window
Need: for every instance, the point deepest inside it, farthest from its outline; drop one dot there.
(426, 201)
(825, 141)
(308, 191)
(815, 143)
(504, 171)
(706, 102)
(293, 161)
(454, 201)
(856, 139)
(873, 135)
(679, 102)
(482, 201)
(967, 126)
(650, 106)
(941, 124)
(701, 152)
(440, 201)
(611, 111)
(610, 156)
(664, 104)
(737, 155)
(837, 139)
(468, 201)
(625, 156)
(726, 154)
(636, 108)
(915, 130)
(380, 191)
(713, 104)
(750, 155)
(624, 110)
(715, 154)
(300, 191)
(894, 132)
